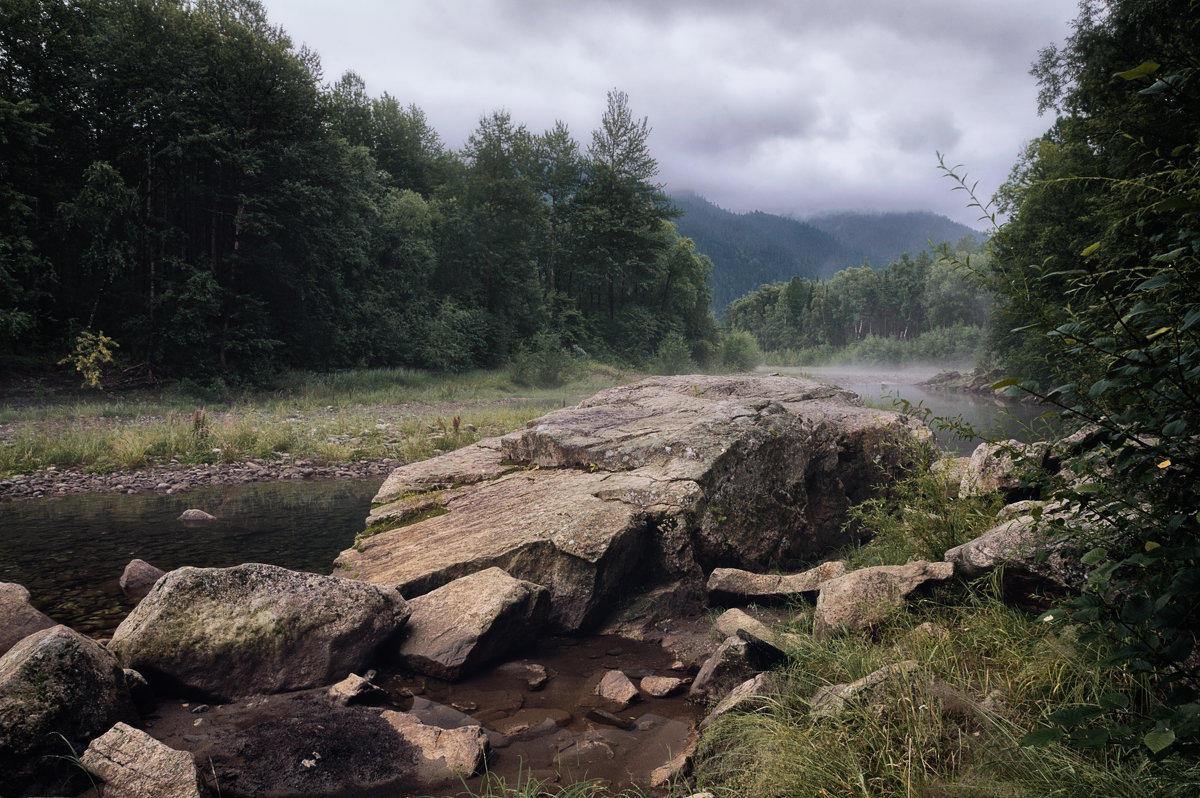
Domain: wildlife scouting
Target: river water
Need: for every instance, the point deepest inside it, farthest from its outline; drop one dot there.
(69, 552)
(882, 386)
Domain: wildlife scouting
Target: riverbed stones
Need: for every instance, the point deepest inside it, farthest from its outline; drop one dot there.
(225, 632)
(668, 477)
(137, 579)
(58, 691)
(472, 621)
(863, 598)
(616, 687)
(133, 764)
(1032, 562)
(18, 618)
(461, 751)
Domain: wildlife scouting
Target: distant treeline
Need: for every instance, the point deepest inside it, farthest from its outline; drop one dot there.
(912, 296)
(180, 177)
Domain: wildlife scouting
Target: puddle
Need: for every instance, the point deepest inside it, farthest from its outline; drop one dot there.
(541, 714)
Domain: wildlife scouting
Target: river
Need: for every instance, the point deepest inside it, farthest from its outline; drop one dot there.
(883, 386)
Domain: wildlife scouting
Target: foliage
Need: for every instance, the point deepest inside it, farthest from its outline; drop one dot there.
(545, 363)
(739, 352)
(864, 308)
(1098, 280)
(92, 351)
(180, 177)
(674, 356)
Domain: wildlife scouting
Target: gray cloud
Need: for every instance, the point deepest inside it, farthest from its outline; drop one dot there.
(775, 105)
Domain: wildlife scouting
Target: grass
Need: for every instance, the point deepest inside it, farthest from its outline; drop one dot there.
(325, 418)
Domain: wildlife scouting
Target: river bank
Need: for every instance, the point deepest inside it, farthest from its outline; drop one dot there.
(176, 477)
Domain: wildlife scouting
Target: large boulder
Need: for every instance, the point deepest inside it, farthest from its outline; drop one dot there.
(472, 621)
(672, 477)
(226, 632)
(58, 691)
(18, 618)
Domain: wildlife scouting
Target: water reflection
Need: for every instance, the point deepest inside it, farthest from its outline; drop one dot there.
(992, 417)
(69, 552)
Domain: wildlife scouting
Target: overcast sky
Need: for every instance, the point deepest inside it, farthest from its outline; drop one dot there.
(785, 106)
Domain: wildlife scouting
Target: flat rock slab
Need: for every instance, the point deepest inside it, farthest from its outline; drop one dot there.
(226, 632)
(727, 585)
(472, 621)
(668, 477)
(132, 763)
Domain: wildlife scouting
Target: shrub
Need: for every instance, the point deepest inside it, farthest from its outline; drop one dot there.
(739, 351)
(674, 356)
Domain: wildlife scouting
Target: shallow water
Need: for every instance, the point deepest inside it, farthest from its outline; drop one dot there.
(992, 417)
(69, 552)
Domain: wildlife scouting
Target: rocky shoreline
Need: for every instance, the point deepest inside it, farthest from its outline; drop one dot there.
(176, 477)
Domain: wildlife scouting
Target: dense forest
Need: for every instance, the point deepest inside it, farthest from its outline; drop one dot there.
(749, 250)
(179, 181)
(908, 298)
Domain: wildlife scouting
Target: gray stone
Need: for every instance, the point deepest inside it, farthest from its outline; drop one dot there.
(354, 690)
(18, 618)
(750, 694)
(472, 621)
(133, 764)
(727, 667)
(996, 467)
(1032, 562)
(196, 515)
(460, 751)
(863, 598)
(138, 577)
(616, 687)
(57, 688)
(660, 478)
(661, 686)
(733, 584)
(226, 632)
(831, 699)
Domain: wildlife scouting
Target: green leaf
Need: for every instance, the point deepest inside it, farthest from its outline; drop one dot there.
(1142, 70)
(1158, 739)
(1114, 701)
(1090, 249)
(1040, 738)
(1175, 428)
(1089, 738)
(1170, 257)
(1004, 383)
(1094, 556)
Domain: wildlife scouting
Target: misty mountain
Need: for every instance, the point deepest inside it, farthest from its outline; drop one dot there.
(749, 250)
(886, 236)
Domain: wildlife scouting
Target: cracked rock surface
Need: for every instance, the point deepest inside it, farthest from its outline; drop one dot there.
(662, 480)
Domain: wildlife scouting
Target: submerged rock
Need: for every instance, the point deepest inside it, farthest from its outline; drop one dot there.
(18, 618)
(138, 577)
(196, 515)
(225, 632)
(666, 478)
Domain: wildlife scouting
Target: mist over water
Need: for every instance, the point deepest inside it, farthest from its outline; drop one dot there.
(883, 386)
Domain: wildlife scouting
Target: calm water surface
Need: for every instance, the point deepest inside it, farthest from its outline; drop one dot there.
(70, 552)
(993, 418)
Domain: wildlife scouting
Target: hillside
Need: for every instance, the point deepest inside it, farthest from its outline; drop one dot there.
(750, 250)
(886, 236)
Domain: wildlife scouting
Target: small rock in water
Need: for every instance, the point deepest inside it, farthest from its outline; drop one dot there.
(616, 687)
(196, 515)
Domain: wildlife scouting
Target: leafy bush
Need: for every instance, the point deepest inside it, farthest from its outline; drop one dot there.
(545, 363)
(739, 351)
(674, 356)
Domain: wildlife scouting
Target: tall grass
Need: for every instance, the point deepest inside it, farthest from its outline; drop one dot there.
(326, 418)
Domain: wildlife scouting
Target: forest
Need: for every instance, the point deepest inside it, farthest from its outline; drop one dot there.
(181, 186)
(806, 321)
